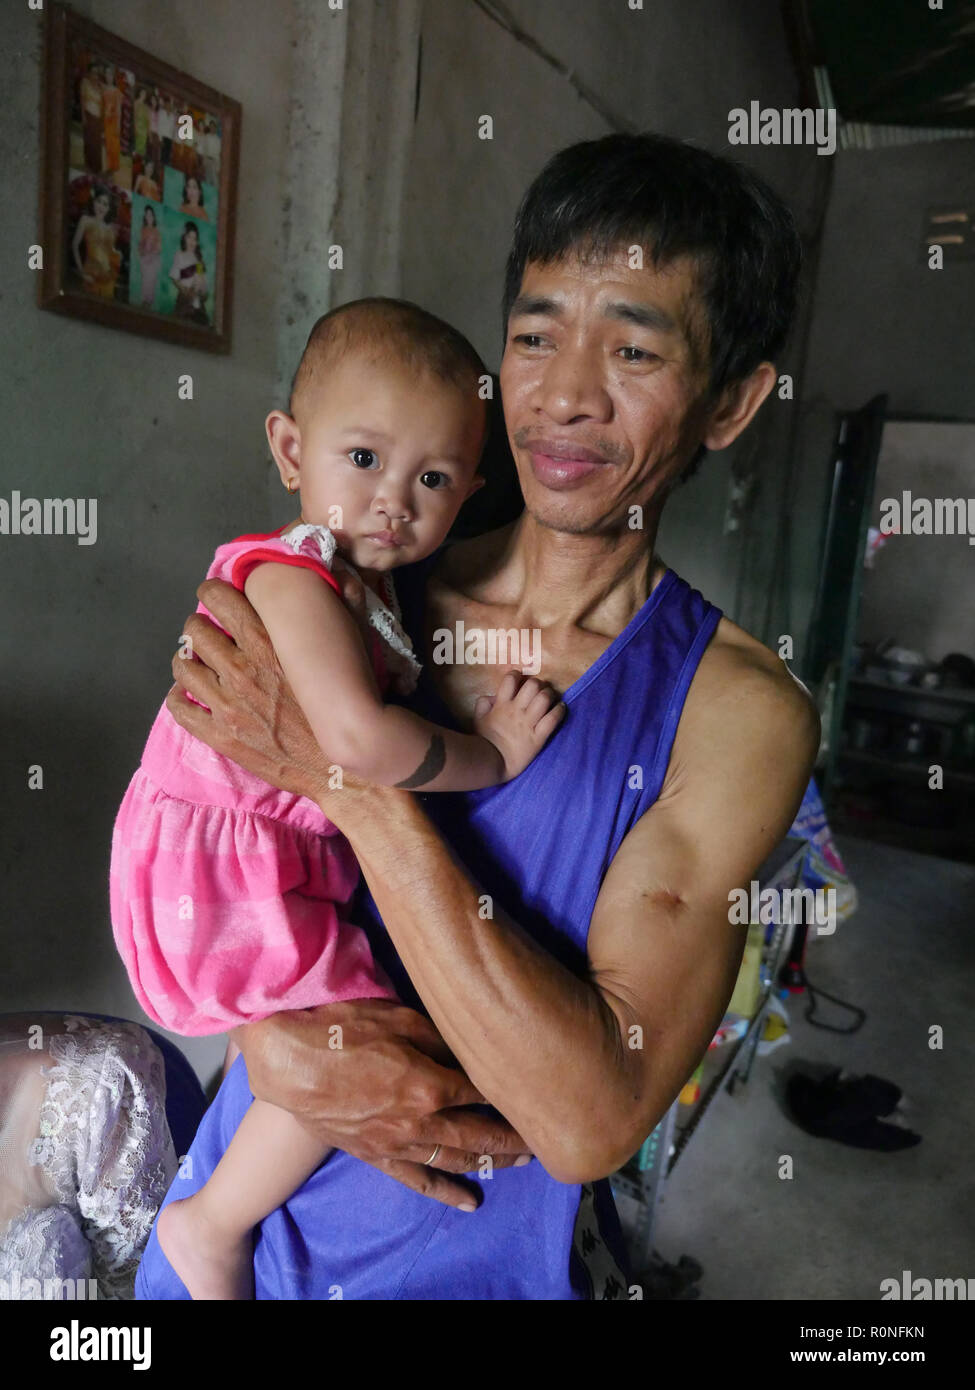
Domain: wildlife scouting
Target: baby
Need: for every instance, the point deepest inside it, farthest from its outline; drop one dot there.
(226, 893)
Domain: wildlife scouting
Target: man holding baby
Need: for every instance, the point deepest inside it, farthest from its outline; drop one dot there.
(561, 943)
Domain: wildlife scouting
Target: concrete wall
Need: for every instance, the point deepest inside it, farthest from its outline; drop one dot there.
(89, 411)
(884, 322)
(351, 99)
(677, 69)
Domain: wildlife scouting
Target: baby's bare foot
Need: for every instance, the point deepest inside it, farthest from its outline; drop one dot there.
(210, 1263)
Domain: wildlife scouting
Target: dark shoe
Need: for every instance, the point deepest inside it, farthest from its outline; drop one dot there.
(877, 1134)
(826, 1111)
(877, 1096)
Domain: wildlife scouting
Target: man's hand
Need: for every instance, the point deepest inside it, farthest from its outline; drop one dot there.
(252, 715)
(388, 1095)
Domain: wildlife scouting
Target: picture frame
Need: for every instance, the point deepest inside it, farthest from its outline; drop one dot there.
(138, 189)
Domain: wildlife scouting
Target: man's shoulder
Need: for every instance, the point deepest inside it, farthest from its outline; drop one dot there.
(742, 686)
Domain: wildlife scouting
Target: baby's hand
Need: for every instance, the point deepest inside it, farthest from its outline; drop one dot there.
(519, 720)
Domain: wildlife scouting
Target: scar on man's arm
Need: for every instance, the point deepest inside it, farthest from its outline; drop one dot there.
(431, 766)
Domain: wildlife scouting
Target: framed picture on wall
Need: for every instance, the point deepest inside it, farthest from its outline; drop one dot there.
(138, 189)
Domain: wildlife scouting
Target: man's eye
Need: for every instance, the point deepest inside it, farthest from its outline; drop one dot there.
(433, 479)
(529, 339)
(363, 458)
(641, 354)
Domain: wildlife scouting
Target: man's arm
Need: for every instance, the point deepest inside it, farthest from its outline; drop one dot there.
(550, 1051)
(663, 952)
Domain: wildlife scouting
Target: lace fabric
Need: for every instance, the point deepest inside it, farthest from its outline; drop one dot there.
(41, 1246)
(382, 614)
(86, 1154)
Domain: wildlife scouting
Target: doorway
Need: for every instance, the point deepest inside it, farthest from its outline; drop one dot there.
(898, 656)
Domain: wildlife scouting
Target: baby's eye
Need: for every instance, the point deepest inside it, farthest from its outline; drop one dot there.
(433, 479)
(363, 458)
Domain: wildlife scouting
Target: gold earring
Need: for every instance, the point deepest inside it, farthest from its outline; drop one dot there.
(293, 485)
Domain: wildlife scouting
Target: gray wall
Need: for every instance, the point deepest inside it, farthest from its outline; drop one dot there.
(93, 412)
(883, 321)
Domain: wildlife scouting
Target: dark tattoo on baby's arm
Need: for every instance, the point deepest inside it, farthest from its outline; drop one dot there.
(432, 765)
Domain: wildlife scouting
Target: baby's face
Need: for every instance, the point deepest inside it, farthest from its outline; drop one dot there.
(387, 459)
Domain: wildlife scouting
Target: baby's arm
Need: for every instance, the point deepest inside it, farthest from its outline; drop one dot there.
(323, 656)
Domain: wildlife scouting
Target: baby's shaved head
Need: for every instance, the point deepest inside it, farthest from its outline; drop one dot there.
(387, 332)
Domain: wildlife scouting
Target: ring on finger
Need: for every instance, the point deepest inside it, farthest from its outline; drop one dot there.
(433, 1156)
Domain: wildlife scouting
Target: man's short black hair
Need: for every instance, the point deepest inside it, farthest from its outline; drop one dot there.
(672, 199)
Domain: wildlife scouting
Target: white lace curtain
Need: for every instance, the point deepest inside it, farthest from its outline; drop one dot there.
(86, 1155)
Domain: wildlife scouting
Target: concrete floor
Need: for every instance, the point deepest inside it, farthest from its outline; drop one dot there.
(849, 1217)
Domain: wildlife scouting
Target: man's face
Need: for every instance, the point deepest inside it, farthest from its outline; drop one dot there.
(604, 381)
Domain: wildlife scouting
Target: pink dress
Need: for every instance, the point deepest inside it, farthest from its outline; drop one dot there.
(226, 893)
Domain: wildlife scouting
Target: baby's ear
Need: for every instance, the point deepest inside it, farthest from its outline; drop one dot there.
(284, 438)
(477, 482)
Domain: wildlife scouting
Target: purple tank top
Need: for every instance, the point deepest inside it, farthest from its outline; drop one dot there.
(540, 845)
